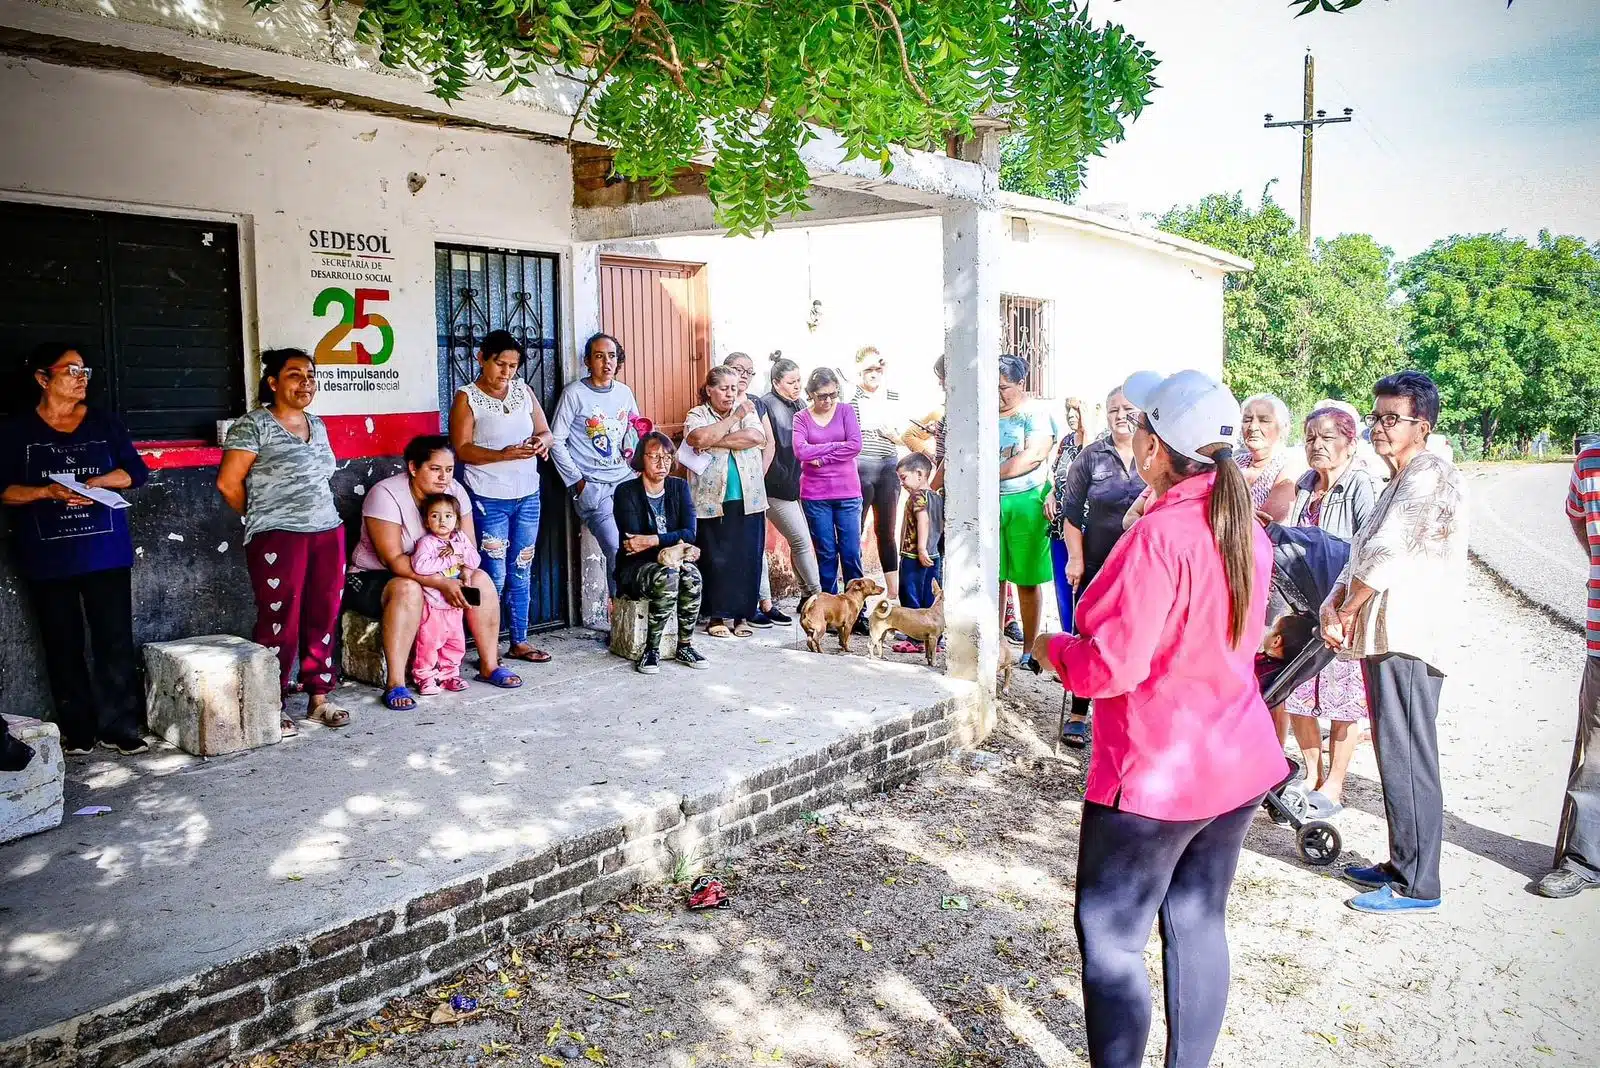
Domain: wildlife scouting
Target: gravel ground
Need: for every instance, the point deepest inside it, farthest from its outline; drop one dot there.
(837, 950)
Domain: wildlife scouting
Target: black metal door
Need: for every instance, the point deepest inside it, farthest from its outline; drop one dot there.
(479, 290)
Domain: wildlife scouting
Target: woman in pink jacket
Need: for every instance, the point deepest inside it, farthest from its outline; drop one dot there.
(1184, 748)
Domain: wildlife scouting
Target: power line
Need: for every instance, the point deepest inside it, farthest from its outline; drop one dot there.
(1307, 125)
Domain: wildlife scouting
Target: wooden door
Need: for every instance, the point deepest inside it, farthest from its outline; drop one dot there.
(659, 310)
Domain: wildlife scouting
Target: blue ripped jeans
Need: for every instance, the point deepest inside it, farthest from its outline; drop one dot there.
(508, 531)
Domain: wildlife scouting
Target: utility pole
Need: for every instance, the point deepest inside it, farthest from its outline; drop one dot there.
(1307, 125)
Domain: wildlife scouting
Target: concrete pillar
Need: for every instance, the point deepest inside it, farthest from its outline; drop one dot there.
(972, 442)
(584, 315)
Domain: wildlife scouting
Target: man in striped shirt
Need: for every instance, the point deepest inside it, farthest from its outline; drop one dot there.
(1577, 860)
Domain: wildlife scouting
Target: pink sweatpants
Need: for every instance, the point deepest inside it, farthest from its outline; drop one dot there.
(441, 643)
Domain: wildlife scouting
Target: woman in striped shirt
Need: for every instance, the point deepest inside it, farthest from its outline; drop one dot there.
(877, 413)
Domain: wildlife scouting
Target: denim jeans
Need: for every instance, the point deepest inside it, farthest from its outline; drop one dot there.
(508, 531)
(836, 533)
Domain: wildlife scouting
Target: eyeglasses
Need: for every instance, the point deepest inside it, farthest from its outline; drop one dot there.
(831, 395)
(73, 370)
(1389, 420)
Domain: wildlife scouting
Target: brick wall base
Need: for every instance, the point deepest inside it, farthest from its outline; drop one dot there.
(280, 992)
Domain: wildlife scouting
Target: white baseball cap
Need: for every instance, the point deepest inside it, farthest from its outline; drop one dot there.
(1189, 410)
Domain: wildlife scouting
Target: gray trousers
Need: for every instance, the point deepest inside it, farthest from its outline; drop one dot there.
(1578, 840)
(790, 521)
(1403, 696)
(594, 511)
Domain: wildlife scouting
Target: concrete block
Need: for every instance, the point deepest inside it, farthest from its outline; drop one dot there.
(630, 628)
(361, 650)
(212, 695)
(30, 799)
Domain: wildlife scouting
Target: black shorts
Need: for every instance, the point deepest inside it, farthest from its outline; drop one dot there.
(363, 592)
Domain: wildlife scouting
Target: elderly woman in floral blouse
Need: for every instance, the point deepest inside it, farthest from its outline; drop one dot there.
(730, 501)
(1407, 567)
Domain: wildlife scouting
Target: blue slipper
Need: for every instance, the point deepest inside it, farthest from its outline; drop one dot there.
(399, 699)
(502, 677)
(1384, 899)
(1373, 877)
(1076, 733)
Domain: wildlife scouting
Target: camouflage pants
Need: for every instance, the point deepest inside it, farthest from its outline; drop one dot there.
(665, 587)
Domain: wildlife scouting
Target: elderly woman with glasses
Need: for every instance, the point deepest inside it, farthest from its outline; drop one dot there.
(1407, 566)
(653, 512)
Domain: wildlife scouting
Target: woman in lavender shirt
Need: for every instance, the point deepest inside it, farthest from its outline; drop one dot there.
(827, 440)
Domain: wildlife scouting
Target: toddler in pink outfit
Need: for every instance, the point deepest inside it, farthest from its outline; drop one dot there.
(445, 551)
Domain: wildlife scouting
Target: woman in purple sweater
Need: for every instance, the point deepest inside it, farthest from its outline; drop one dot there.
(827, 440)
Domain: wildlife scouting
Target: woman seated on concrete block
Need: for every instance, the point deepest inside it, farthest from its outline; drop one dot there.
(76, 554)
(382, 586)
(276, 467)
(655, 512)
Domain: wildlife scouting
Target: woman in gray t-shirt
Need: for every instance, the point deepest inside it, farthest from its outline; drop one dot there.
(276, 466)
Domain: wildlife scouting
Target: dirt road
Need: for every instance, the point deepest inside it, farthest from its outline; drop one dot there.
(837, 950)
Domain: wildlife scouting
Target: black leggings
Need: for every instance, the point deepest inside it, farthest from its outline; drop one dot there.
(103, 599)
(1130, 869)
(880, 491)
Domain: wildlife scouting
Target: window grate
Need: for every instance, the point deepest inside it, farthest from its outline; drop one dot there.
(1027, 334)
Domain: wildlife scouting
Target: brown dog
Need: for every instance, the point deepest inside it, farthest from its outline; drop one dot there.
(925, 625)
(822, 612)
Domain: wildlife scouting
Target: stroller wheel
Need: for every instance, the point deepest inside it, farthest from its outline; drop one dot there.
(1320, 843)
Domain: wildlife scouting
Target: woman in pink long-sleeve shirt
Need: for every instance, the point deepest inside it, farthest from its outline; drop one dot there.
(1184, 748)
(827, 440)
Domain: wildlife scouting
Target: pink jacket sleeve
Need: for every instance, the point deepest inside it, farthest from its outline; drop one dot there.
(1120, 621)
(465, 549)
(428, 556)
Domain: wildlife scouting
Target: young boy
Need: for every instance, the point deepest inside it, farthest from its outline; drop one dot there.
(921, 532)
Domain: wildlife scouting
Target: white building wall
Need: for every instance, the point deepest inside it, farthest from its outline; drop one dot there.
(1116, 307)
(281, 170)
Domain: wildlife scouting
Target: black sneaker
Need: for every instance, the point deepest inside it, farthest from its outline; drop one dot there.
(1014, 633)
(779, 616)
(688, 656)
(761, 619)
(128, 745)
(649, 663)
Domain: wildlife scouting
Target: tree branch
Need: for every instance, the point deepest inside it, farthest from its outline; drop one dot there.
(905, 60)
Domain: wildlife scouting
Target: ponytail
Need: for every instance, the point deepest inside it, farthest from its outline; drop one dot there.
(1232, 517)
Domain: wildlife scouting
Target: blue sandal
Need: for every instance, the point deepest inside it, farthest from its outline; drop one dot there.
(399, 699)
(1076, 733)
(502, 677)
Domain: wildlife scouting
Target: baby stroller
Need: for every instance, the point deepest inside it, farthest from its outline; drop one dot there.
(1306, 563)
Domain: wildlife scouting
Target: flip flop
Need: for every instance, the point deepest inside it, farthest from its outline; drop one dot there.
(329, 715)
(287, 728)
(502, 677)
(399, 699)
(532, 656)
(719, 630)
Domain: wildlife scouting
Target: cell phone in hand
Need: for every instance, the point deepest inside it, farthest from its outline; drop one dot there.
(472, 595)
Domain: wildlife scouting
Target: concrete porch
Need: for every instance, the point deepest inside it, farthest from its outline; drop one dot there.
(226, 904)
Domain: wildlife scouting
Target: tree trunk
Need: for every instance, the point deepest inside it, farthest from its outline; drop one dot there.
(1487, 423)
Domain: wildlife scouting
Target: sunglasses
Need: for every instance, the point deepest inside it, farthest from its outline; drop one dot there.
(831, 395)
(73, 370)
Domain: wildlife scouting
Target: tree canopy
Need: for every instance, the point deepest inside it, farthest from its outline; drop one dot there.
(751, 79)
(1510, 331)
(1305, 324)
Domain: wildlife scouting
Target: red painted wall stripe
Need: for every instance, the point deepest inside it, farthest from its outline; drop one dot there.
(349, 435)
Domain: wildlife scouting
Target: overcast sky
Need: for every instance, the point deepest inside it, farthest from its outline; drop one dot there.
(1469, 117)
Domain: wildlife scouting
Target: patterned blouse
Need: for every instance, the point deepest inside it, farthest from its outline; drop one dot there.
(1068, 452)
(1413, 553)
(1271, 471)
(710, 486)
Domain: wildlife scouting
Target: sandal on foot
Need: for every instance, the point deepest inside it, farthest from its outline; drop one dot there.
(530, 654)
(742, 629)
(329, 715)
(502, 677)
(399, 699)
(428, 689)
(287, 728)
(719, 629)
(455, 685)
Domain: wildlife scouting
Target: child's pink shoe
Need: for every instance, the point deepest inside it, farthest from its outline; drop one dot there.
(428, 689)
(455, 685)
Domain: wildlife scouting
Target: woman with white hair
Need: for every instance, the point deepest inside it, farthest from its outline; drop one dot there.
(1267, 465)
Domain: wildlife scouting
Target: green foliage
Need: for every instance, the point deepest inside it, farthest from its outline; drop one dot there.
(1510, 331)
(753, 79)
(1304, 325)
(1017, 177)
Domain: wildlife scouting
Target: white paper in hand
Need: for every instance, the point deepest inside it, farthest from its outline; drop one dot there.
(693, 458)
(106, 497)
